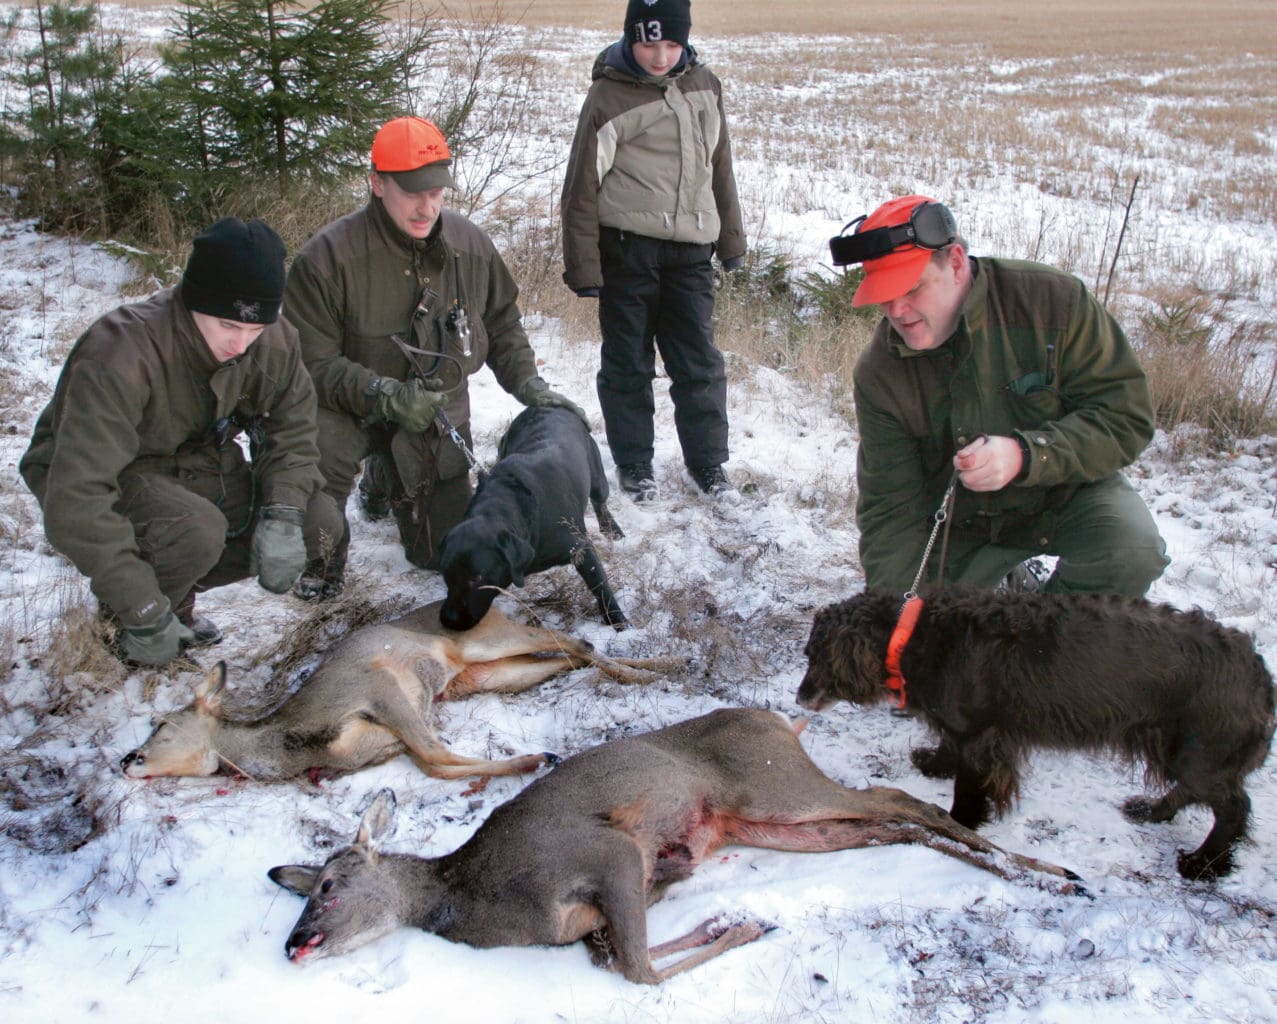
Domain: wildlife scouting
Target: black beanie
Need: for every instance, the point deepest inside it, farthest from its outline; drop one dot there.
(236, 272)
(651, 21)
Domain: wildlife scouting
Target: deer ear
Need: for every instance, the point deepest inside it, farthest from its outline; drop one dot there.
(208, 692)
(296, 878)
(378, 821)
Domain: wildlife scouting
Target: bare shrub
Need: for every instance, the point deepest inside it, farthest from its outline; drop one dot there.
(1201, 365)
(80, 659)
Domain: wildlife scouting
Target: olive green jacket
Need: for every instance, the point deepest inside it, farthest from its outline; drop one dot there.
(650, 156)
(141, 391)
(1034, 356)
(357, 283)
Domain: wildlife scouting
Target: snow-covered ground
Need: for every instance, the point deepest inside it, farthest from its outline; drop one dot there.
(124, 901)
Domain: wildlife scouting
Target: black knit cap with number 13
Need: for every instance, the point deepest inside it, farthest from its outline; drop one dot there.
(654, 21)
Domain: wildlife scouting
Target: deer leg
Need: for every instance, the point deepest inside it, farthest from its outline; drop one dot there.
(635, 671)
(512, 674)
(522, 672)
(402, 719)
(617, 862)
(709, 941)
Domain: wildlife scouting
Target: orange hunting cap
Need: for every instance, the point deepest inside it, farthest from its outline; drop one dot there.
(893, 275)
(413, 152)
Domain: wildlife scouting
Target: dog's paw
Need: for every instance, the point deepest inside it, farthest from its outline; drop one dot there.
(1200, 866)
(939, 762)
(1137, 809)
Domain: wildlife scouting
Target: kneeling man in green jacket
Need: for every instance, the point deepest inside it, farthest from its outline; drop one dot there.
(1010, 376)
(136, 463)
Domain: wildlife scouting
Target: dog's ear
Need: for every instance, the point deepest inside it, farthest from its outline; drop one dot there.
(518, 554)
(859, 650)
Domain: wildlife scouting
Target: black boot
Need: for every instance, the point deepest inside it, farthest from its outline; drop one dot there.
(205, 630)
(374, 487)
(637, 481)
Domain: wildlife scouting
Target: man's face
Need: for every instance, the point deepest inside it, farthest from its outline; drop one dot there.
(414, 213)
(657, 58)
(226, 339)
(927, 314)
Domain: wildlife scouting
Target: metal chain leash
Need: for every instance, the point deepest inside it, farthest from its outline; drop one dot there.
(455, 436)
(941, 517)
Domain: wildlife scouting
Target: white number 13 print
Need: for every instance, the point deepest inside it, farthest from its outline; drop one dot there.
(649, 32)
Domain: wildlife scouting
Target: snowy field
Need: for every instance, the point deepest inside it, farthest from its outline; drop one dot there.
(123, 901)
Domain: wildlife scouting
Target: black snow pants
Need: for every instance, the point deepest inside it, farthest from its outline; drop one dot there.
(659, 294)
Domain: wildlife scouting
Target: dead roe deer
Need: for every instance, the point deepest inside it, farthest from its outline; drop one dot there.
(373, 698)
(581, 852)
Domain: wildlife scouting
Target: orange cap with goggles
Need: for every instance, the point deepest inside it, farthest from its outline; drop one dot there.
(894, 244)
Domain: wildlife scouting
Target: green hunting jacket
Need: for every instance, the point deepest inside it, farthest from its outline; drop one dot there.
(357, 282)
(1034, 356)
(141, 392)
(651, 156)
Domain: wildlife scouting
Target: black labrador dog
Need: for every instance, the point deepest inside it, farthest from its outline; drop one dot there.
(527, 515)
(1000, 675)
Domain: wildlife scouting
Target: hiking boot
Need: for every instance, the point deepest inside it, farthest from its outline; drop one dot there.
(1026, 578)
(712, 480)
(374, 490)
(637, 481)
(314, 587)
(205, 630)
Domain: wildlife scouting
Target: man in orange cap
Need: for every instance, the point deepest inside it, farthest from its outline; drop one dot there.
(1012, 376)
(397, 305)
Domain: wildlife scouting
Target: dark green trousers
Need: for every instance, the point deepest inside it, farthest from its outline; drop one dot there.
(1105, 539)
(428, 481)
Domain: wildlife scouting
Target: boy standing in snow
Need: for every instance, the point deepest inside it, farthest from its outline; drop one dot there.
(649, 197)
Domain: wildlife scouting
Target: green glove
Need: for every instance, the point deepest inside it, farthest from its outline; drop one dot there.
(156, 644)
(413, 404)
(278, 553)
(536, 392)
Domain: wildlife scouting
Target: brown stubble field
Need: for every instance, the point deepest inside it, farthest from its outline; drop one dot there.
(1006, 26)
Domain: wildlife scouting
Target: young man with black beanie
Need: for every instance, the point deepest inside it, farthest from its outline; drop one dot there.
(135, 461)
(649, 198)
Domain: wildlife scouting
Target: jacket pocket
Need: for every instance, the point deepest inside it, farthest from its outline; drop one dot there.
(1030, 402)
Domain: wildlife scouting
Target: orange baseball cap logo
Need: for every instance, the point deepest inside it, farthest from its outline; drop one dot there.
(406, 143)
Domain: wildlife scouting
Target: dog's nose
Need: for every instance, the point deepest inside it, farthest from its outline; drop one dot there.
(131, 758)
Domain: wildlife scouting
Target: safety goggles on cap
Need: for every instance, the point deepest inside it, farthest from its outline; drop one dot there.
(930, 226)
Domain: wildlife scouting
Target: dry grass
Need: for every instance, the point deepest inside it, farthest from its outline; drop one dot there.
(1201, 362)
(1070, 26)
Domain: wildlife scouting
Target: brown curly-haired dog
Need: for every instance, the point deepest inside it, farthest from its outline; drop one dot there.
(997, 675)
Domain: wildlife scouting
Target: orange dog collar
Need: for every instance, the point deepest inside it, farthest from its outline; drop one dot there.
(896, 645)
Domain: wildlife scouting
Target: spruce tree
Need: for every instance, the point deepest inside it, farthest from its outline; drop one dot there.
(271, 91)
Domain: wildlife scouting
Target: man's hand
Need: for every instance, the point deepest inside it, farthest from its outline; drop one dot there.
(413, 404)
(989, 464)
(156, 644)
(278, 553)
(534, 391)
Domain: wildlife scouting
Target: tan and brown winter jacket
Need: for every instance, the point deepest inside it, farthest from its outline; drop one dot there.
(357, 282)
(141, 391)
(651, 156)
